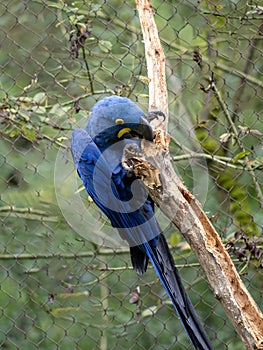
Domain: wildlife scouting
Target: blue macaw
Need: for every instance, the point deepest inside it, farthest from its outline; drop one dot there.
(114, 123)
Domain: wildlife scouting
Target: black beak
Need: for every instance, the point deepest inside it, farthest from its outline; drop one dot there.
(144, 130)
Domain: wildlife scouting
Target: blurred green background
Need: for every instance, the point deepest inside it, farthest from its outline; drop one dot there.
(61, 286)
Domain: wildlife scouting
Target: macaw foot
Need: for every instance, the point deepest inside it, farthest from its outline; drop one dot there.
(155, 115)
(129, 151)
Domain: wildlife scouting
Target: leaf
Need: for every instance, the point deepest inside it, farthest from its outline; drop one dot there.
(255, 132)
(246, 130)
(39, 109)
(150, 311)
(225, 137)
(135, 296)
(105, 46)
(39, 98)
(144, 79)
(24, 114)
(202, 123)
(217, 22)
(14, 133)
(258, 10)
(95, 7)
(240, 155)
(29, 132)
(243, 129)
(59, 111)
(59, 5)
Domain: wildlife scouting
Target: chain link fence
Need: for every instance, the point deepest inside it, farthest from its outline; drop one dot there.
(61, 287)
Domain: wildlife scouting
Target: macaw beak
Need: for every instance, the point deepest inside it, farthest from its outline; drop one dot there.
(143, 130)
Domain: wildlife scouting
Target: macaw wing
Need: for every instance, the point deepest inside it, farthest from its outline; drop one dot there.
(92, 168)
(112, 192)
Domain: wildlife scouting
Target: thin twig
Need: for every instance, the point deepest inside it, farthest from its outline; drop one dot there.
(88, 70)
(219, 159)
(38, 256)
(27, 213)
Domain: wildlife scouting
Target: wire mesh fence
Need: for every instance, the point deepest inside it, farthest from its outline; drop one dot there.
(61, 286)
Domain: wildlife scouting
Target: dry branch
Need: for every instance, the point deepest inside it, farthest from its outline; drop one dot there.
(155, 59)
(181, 207)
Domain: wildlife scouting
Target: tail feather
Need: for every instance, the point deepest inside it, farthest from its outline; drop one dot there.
(139, 259)
(163, 262)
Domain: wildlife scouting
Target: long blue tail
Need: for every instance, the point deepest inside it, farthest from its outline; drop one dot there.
(162, 261)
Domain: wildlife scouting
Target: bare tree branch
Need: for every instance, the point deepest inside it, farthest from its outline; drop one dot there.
(155, 59)
(181, 207)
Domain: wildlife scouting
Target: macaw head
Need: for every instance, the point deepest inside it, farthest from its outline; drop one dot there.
(114, 118)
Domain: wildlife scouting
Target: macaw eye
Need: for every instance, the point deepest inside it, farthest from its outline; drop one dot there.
(119, 121)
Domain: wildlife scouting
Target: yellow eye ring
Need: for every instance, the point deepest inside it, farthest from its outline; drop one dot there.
(119, 121)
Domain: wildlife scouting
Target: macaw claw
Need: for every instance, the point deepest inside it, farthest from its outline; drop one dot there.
(129, 151)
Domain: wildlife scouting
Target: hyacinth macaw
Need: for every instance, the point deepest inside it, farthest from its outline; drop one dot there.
(114, 123)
